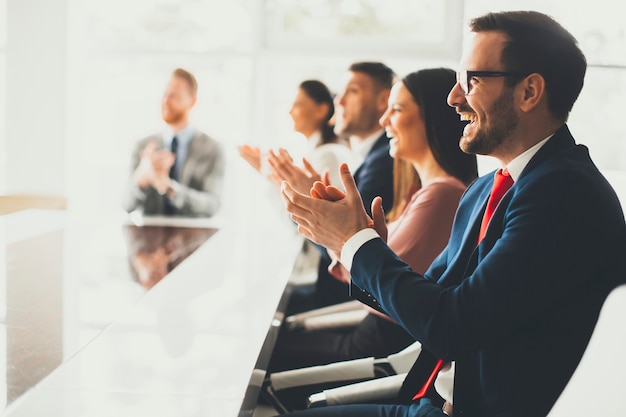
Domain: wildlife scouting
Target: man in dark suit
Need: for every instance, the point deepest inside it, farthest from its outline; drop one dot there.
(514, 297)
(179, 171)
(359, 107)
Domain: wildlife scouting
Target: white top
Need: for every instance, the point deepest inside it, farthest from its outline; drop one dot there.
(328, 156)
(444, 386)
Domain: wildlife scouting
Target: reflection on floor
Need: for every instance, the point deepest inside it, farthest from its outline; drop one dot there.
(34, 311)
(63, 282)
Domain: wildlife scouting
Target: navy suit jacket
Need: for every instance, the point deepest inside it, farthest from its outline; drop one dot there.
(373, 178)
(516, 312)
(375, 175)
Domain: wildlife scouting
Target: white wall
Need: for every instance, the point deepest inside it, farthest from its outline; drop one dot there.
(77, 100)
(35, 96)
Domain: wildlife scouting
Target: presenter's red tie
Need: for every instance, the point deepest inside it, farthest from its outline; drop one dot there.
(501, 184)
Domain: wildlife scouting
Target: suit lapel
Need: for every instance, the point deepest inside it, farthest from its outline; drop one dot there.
(379, 142)
(461, 263)
(562, 139)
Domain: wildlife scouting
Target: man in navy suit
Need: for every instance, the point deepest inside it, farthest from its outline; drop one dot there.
(512, 305)
(359, 106)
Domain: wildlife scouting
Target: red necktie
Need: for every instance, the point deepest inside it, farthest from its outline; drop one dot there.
(501, 184)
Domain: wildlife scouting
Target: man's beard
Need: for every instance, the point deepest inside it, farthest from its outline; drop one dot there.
(171, 117)
(504, 121)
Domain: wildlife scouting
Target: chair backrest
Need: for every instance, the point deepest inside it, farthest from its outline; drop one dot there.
(598, 386)
(402, 361)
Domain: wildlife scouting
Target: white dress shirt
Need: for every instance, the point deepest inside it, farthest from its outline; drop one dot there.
(184, 137)
(362, 147)
(444, 384)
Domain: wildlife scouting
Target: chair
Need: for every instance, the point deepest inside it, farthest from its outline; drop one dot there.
(279, 384)
(602, 369)
(600, 373)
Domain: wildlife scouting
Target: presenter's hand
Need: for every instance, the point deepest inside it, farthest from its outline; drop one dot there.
(144, 172)
(162, 161)
(328, 223)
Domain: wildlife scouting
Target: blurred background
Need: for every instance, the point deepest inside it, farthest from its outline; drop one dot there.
(80, 81)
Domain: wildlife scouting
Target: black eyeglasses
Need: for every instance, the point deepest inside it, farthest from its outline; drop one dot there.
(463, 77)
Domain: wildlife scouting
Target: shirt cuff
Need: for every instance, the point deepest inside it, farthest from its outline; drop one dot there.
(352, 245)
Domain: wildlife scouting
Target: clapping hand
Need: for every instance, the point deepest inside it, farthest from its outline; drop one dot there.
(330, 217)
(301, 179)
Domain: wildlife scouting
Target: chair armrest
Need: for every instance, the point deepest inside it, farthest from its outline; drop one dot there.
(353, 370)
(402, 361)
(334, 320)
(362, 392)
(297, 320)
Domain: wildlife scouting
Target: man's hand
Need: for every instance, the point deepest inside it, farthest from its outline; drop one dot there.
(285, 170)
(328, 223)
(379, 222)
(336, 269)
(162, 162)
(144, 172)
(154, 168)
(330, 193)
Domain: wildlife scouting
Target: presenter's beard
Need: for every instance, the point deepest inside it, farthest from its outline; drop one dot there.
(171, 117)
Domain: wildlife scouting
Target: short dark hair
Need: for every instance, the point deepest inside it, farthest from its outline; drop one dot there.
(382, 75)
(429, 88)
(319, 93)
(189, 78)
(539, 44)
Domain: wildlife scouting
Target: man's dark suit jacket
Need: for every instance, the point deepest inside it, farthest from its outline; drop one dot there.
(517, 312)
(375, 175)
(373, 178)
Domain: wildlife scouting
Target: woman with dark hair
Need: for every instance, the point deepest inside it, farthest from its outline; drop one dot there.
(312, 111)
(431, 175)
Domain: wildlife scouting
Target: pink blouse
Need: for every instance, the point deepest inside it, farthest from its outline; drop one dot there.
(423, 229)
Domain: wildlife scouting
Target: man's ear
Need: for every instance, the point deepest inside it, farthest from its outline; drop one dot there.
(532, 92)
(382, 100)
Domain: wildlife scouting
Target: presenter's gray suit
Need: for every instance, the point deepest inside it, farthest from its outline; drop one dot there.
(197, 191)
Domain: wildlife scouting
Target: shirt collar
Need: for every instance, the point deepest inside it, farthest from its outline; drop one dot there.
(313, 141)
(517, 165)
(361, 147)
(184, 136)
